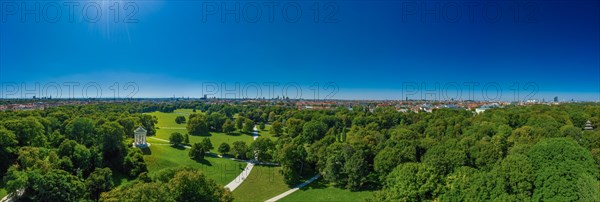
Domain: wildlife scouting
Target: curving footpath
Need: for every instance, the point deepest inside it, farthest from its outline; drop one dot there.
(288, 192)
(240, 178)
(10, 198)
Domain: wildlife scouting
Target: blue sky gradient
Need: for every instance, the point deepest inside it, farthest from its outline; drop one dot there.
(368, 49)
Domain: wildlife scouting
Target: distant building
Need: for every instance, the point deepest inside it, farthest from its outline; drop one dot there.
(588, 126)
(486, 107)
(556, 99)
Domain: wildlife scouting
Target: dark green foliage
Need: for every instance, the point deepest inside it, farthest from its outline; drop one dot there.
(276, 129)
(262, 149)
(197, 125)
(197, 151)
(176, 138)
(248, 126)
(8, 148)
(224, 148)
(239, 150)
(99, 181)
(180, 119)
(113, 147)
(228, 126)
(134, 163)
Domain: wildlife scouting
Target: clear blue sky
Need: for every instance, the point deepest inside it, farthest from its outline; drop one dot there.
(369, 49)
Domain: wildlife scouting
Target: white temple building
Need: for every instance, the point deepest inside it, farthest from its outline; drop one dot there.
(588, 126)
(139, 138)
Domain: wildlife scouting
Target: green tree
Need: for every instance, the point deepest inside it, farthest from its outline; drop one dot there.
(516, 176)
(148, 123)
(564, 171)
(390, 157)
(248, 126)
(113, 148)
(276, 129)
(271, 116)
(410, 182)
(357, 169)
(239, 149)
(262, 126)
(29, 131)
(313, 131)
(215, 121)
(239, 122)
(445, 157)
(180, 119)
(134, 163)
(82, 130)
(228, 127)
(192, 185)
(129, 124)
(207, 144)
(197, 125)
(224, 148)
(294, 127)
(262, 149)
(197, 151)
(176, 138)
(54, 185)
(8, 148)
(99, 181)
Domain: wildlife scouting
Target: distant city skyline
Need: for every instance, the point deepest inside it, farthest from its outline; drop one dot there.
(369, 50)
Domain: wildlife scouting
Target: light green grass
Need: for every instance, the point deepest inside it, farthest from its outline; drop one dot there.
(319, 191)
(264, 182)
(168, 119)
(265, 133)
(166, 126)
(221, 170)
(3, 193)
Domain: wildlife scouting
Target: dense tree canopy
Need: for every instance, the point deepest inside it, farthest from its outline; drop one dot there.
(513, 153)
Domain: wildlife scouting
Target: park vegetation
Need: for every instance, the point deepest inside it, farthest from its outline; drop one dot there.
(515, 153)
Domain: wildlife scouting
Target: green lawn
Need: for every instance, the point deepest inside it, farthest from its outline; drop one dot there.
(319, 191)
(264, 183)
(166, 126)
(265, 133)
(3, 193)
(221, 170)
(168, 119)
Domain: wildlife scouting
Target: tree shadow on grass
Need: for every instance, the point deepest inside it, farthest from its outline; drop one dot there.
(203, 161)
(179, 147)
(317, 184)
(235, 134)
(204, 134)
(146, 151)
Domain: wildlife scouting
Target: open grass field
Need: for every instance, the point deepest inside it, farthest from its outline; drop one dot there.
(319, 191)
(3, 193)
(166, 126)
(265, 133)
(221, 170)
(263, 183)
